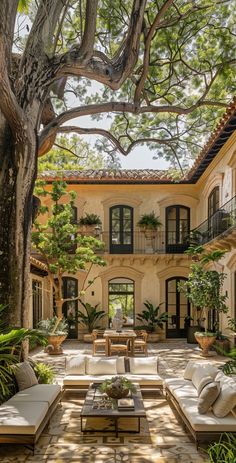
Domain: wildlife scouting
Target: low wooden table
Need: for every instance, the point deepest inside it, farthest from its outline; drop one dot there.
(88, 411)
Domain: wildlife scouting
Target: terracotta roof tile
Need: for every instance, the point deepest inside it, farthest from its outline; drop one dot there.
(105, 175)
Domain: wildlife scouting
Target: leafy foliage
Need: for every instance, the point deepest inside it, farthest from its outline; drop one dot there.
(45, 373)
(151, 317)
(53, 326)
(229, 368)
(204, 287)
(91, 317)
(121, 381)
(90, 219)
(150, 221)
(57, 238)
(223, 451)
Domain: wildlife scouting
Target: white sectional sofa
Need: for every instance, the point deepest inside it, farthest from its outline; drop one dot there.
(205, 399)
(81, 370)
(24, 416)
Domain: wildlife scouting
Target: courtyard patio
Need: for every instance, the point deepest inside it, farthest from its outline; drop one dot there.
(162, 438)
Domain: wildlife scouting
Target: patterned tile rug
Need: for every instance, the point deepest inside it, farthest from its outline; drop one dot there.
(161, 439)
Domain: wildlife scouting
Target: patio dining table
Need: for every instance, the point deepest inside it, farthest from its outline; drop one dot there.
(124, 335)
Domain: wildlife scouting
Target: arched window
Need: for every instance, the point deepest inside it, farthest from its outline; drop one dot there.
(70, 308)
(177, 228)
(121, 230)
(121, 294)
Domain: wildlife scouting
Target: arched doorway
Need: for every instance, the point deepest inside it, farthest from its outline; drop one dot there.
(121, 294)
(178, 307)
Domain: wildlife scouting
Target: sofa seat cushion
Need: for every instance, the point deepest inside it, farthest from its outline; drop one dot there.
(145, 380)
(21, 417)
(207, 422)
(84, 380)
(180, 388)
(38, 393)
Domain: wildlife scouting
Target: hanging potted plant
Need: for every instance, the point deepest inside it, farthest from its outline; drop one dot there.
(90, 224)
(204, 291)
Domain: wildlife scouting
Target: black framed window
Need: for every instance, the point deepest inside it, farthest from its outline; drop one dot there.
(213, 201)
(178, 307)
(121, 230)
(37, 300)
(70, 308)
(177, 228)
(121, 294)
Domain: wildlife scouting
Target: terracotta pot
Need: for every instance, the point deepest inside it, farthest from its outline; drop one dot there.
(205, 343)
(54, 344)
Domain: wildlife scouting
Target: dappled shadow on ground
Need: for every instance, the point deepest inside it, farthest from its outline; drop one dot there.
(162, 438)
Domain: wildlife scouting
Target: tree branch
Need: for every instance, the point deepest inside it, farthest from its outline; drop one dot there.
(48, 134)
(148, 42)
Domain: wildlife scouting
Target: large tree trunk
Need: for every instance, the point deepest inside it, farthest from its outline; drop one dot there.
(17, 176)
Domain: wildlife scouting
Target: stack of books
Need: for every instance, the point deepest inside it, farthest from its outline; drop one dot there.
(125, 404)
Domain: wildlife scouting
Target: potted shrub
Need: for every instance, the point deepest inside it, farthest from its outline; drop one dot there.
(55, 329)
(55, 237)
(148, 224)
(153, 322)
(204, 291)
(90, 318)
(117, 387)
(90, 224)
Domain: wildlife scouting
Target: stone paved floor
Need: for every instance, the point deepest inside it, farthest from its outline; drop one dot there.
(162, 438)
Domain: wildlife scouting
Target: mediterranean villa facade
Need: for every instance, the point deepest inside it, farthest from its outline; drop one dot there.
(140, 269)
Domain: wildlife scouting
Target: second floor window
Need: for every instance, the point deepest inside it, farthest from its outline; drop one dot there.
(121, 229)
(177, 228)
(213, 201)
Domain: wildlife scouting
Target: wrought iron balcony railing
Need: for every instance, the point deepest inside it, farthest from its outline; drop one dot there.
(220, 222)
(159, 243)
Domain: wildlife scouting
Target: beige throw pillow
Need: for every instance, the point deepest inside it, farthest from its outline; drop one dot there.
(25, 376)
(76, 365)
(208, 396)
(143, 366)
(204, 381)
(201, 371)
(226, 400)
(100, 366)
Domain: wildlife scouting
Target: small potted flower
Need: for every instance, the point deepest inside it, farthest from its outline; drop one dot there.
(117, 387)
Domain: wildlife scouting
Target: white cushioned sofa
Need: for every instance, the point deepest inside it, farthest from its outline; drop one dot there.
(81, 370)
(205, 399)
(24, 416)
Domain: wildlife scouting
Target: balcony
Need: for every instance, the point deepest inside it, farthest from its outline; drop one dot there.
(157, 244)
(220, 228)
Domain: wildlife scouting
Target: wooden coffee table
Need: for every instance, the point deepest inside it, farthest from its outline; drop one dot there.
(89, 411)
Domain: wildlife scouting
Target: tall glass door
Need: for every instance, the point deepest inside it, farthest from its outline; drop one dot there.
(121, 230)
(177, 307)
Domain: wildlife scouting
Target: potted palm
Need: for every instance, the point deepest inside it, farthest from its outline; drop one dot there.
(90, 318)
(148, 224)
(153, 322)
(90, 224)
(204, 291)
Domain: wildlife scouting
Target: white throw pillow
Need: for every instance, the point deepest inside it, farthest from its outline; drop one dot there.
(120, 365)
(147, 365)
(100, 366)
(201, 371)
(76, 365)
(226, 400)
(190, 368)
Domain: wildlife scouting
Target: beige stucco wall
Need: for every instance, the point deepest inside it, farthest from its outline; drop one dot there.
(150, 271)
